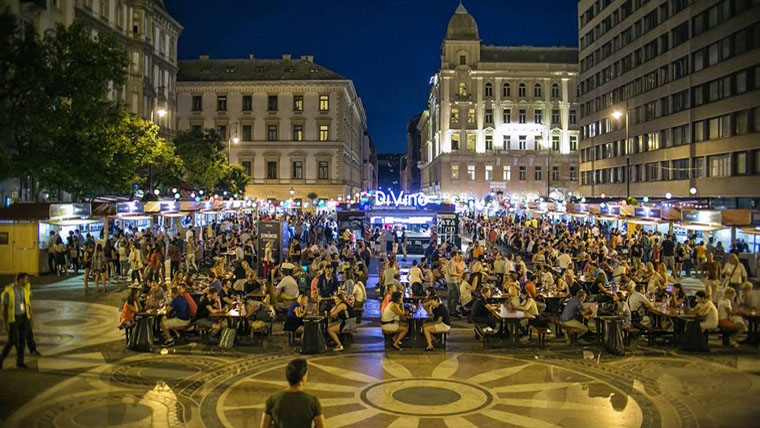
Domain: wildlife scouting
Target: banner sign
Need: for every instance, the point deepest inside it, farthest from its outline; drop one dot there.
(647, 212)
(133, 207)
(270, 231)
(701, 216)
(609, 210)
(70, 210)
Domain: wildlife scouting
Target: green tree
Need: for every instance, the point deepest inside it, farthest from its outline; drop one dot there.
(204, 157)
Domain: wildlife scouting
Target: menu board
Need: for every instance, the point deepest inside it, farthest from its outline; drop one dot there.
(448, 228)
(270, 231)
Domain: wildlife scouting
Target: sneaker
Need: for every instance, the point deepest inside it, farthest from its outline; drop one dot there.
(338, 348)
(488, 330)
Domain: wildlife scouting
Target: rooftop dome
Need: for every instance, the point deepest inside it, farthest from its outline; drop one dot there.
(462, 26)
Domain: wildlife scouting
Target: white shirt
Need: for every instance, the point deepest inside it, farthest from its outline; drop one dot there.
(638, 302)
(415, 275)
(724, 307)
(738, 273)
(565, 261)
(711, 318)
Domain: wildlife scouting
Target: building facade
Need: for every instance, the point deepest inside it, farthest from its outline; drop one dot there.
(410, 178)
(289, 122)
(500, 119)
(670, 98)
(150, 36)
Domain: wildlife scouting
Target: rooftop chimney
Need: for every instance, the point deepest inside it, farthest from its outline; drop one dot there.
(250, 56)
(203, 57)
(285, 56)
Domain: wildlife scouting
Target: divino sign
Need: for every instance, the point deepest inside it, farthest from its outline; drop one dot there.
(391, 199)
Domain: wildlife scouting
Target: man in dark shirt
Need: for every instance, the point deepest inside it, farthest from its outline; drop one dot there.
(482, 311)
(441, 320)
(668, 253)
(573, 313)
(292, 407)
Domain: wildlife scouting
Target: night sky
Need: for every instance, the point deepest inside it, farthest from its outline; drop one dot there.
(389, 48)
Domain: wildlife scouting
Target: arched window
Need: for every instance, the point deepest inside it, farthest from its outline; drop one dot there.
(462, 90)
(537, 90)
(555, 90)
(489, 90)
(506, 90)
(521, 90)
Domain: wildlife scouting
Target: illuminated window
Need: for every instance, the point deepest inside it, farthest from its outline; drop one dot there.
(462, 90)
(454, 142)
(471, 172)
(507, 174)
(455, 172)
(455, 116)
(471, 142)
(297, 102)
(471, 115)
(324, 102)
(297, 132)
(324, 132)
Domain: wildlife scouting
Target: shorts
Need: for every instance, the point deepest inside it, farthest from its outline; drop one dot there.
(175, 323)
(390, 328)
(440, 327)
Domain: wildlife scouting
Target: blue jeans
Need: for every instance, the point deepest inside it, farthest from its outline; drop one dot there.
(453, 300)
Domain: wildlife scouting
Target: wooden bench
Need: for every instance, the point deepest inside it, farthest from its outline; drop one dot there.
(540, 333)
(482, 334)
(559, 332)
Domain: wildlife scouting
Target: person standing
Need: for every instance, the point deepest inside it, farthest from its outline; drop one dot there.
(292, 407)
(453, 276)
(17, 317)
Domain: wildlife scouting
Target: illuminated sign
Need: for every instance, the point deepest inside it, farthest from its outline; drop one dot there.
(701, 216)
(391, 199)
(69, 210)
(609, 210)
(646, 212)
(169, 206)
(133, 207)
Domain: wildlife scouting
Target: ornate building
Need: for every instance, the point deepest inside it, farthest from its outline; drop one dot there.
(289, 122)
(500, 119)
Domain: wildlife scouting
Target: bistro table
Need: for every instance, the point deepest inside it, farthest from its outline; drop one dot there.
(553, 300)
(313, 341)
(753, 323)
(144, 330)
(510, 322)
(416, 319)
(679, 316)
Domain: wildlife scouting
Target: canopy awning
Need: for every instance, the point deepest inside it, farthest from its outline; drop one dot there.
(699, 227)
(72, 221)
(645, 222)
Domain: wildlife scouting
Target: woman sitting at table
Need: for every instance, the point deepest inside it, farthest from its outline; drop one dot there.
(129, 310)
(156, 295)
(599, 290)
(527, 304)
(388, 296)
(482, 312)
(296, 312)
(340, 313)
(728, 319)
(390, 319)
(208, 305)
(748, 298)
(441, 320)
(677, 296)
(706, 309)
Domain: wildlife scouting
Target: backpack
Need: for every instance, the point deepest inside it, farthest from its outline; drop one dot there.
(227, 340)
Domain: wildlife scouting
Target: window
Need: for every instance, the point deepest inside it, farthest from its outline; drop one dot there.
(573, 143)
(324, 132)
(507, 173)
(455, 172)
(462, 60)
(573, 174)
(246, 167)
(489, 172)
(539, 174)
(719, 166)
(323, 170)
(680, 34)
(680, 101)
(324, 103)
(247, 102)
(573, 117)
(271, 170)
(489, 142)
(555, 173)
(698, 168)
(247, 133)
(506, 90)
(555, 142)
(454, 142)
(506, 116)
(523, 142)
(197, 103)
(271, 132)
(272, 103)
(297, 102)
(488, 90)
(462, 90)
(471, 172)
(537, 116)
(471, 115)
(522, 173)
(297, 170)
(222, 131)
(537, 90)
(680, 169)
(454, 116)
(652, 170)
(297, 132)
(221, 103)
(740, 163)
(555, 90)
(489, 116)
(507, 141)
(521, 90)
(471, 142)
(521, 116)
(699, 131)
(555, 117)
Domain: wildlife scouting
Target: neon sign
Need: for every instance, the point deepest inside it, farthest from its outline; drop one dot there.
(391, 199)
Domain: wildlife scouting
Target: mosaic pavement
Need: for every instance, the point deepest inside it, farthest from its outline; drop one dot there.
(93, 383)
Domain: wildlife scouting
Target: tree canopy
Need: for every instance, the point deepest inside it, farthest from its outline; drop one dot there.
(204, 157)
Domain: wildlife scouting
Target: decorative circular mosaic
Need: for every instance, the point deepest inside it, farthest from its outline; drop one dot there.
(426, 397)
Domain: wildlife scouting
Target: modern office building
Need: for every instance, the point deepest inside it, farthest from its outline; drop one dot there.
(290, 122)
(669, 99)
(500, 119)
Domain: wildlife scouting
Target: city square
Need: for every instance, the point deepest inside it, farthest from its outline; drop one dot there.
(462, 214)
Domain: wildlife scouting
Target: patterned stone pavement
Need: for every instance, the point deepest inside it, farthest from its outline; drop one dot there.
(87, 379)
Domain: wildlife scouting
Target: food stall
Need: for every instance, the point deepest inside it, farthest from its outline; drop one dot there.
(25, 230)
(169, 216)
(580, 212)
(647, 219)
(131, 215)
(702, 224)
(610, 214)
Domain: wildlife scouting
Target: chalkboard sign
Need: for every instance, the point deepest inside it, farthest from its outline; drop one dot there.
(448, 228)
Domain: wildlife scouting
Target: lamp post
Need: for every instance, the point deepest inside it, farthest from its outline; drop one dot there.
(292, 192)
(235, 140)
(617, 115)
(548, 146)
(161, 112)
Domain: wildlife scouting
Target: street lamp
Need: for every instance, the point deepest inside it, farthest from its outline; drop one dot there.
(292, 192)
(617, 115)
(230, 141)
(161, 112)
(693, 190)
(548, 146)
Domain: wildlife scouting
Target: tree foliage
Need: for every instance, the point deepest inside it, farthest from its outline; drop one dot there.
(204, 157)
